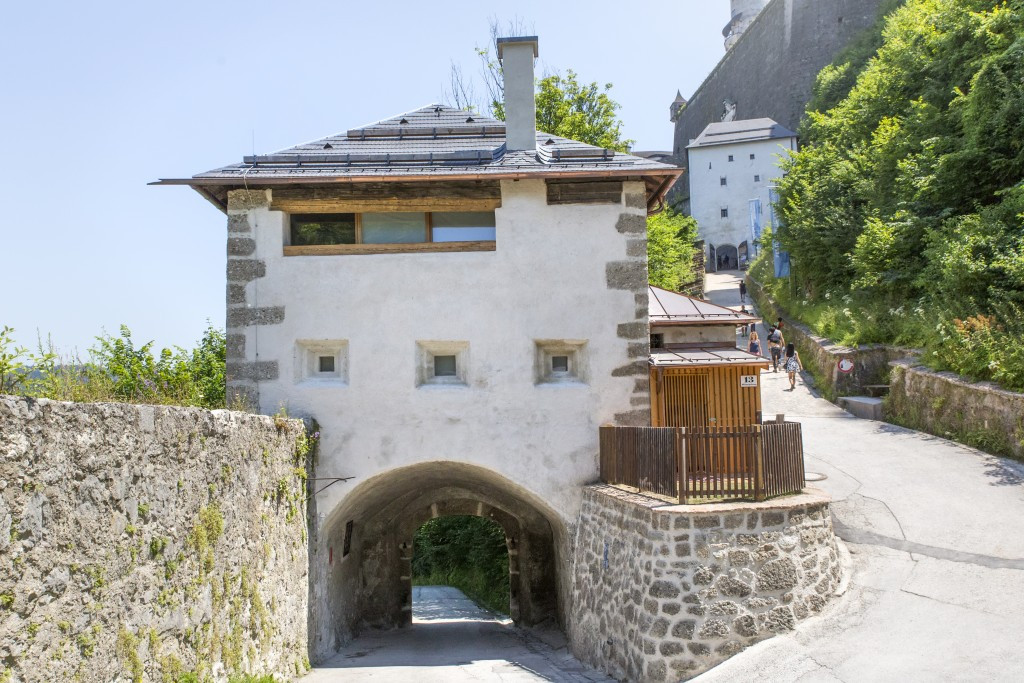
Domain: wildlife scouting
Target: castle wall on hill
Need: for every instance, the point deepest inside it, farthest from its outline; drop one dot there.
(771, 70)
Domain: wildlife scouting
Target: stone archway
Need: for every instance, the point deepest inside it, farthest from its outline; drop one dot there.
(727, 257)
(360, 567)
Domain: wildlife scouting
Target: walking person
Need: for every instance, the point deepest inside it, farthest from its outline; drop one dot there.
(775, 346)
(754, 346)
(793, 365)
(743, 291)
(743, 327)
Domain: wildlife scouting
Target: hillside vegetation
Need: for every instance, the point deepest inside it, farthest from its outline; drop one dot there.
(904, 209)
(118, 370)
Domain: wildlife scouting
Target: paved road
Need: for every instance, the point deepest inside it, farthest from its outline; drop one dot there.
(453, 640)
(935, 534)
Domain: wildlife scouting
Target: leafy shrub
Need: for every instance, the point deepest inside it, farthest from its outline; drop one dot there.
(468, 553)
(670, 249)
(903, 212)
(116, 369)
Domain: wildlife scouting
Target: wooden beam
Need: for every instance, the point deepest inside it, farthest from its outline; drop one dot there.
(369, 205)
(375, 190)
(407, 248)
(584, 192)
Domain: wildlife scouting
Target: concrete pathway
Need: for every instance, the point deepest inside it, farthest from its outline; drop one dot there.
(934, 530)
(452, 639)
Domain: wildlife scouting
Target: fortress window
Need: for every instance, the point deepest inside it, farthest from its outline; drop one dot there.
(560, 361)
(722, 181)
(753, 156)
(757, 178)
(462, 226)
(441, 363)
(323, 228)
(319, 361)
(400, 227)
(731, 158)
(725, 213)
(444, 366)
(336, 231)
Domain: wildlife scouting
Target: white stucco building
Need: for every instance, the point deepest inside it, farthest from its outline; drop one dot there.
(730, 165)
(460, 303)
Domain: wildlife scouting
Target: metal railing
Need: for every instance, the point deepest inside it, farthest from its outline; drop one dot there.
(701, 464)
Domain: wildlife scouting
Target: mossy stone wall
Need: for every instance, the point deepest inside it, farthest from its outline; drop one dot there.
(149, 543)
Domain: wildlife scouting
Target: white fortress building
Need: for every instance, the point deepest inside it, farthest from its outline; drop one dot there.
(460, 303)
(731, 167)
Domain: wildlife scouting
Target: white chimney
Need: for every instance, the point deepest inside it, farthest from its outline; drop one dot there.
(516, 56)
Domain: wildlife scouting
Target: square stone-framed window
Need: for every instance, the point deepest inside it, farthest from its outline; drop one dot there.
(321, 361)
(442, 363)
(560, 361)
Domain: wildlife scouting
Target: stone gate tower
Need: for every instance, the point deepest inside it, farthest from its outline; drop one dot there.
(743, 12)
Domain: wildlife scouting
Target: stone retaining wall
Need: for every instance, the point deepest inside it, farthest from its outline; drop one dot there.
(663, 592)
(943, 403)
(821, 356)
(146, 542)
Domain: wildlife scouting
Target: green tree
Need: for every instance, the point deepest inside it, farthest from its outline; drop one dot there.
(670, 249)
(468, 553)
(583, 112)
(908, 190)
(117, 369)
(565, 106)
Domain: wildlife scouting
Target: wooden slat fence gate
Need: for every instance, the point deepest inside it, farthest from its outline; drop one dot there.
(700, 464)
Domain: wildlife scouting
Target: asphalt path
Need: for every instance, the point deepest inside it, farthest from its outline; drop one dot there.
(934, 531)
(452, 639)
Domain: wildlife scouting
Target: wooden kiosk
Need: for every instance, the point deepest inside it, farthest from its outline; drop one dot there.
(699, 378)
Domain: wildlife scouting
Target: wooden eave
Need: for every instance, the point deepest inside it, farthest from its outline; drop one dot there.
(706, 322)
(656, 182)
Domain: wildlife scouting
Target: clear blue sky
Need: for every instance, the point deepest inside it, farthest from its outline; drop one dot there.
(100, 98)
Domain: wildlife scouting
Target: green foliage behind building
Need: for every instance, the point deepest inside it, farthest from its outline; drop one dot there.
(904, 209)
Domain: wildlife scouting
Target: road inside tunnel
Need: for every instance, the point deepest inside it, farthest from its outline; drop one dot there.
(363, 571)
(452, 639)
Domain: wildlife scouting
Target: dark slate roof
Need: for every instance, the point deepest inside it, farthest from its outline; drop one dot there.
(748, 130)
(432, 141)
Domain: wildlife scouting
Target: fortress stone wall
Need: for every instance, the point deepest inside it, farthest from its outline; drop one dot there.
(664, 592)
(146, 542)
(771, 70)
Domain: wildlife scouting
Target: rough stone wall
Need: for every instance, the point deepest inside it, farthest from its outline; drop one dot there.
(945, 404)
(144, 542)
(821, 356)
(771, 70)
(631, 274)
(664, 592)
(245, 314)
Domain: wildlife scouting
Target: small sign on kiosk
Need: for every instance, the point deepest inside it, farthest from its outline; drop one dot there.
(748, 380)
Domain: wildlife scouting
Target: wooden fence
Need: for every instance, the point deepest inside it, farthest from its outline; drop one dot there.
(700, 464)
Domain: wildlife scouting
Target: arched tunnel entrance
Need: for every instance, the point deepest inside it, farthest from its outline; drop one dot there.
(361, 572)
(465, 552)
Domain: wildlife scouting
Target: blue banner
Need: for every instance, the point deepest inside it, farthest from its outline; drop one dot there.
(779, 257)
(755, 223)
